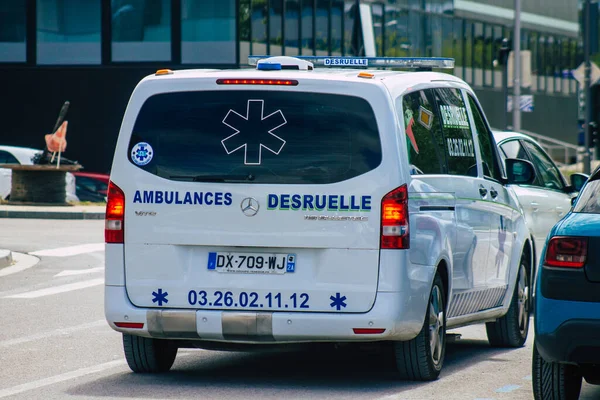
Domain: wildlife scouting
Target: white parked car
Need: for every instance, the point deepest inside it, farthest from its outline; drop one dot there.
(548, 198)
(23, 156)
(290, 203)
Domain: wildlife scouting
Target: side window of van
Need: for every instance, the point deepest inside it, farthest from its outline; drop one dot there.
(458, 138)
(423, 133)
(487, 143)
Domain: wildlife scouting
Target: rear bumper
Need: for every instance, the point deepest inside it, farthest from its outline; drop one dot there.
(575, 341)
(567, 331)
(400, 314)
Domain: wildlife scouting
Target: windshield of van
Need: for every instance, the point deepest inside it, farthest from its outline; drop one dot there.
(256, 137)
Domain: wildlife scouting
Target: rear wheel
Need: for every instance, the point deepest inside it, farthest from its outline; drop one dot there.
(149, 355)
(554, 381)
(512, 329)
(421, 358)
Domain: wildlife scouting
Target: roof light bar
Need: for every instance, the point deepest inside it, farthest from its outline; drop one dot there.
(363, 62)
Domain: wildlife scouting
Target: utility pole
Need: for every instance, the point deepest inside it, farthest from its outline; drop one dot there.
(587, 86)
(503, 59)
(517, 73)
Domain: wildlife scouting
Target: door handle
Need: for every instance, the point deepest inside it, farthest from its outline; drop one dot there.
(482, 191)
(493, 193)
(534, 205)
(560, 211)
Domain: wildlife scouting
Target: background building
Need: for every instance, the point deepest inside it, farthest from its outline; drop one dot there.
(93, 53)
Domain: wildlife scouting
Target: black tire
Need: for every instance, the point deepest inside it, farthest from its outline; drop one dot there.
(415, 359)
(146, 355)
(512, 329)
(554, 381)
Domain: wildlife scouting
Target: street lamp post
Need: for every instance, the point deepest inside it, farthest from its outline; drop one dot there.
(586, 85)
(503, 60)
(517, 65)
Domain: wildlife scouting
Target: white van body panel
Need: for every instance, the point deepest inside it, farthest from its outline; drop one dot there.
(339, 268)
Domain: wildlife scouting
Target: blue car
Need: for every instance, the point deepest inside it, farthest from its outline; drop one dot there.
(567, 302)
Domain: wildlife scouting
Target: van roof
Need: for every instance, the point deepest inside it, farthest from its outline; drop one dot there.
(393, 80)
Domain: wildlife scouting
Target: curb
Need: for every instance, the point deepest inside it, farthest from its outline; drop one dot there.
(51, 214)
(6, 258)
(20, 262)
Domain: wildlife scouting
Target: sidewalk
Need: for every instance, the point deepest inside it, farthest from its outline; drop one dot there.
(52, 212)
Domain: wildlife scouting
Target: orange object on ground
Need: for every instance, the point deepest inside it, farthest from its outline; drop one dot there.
(57, 142)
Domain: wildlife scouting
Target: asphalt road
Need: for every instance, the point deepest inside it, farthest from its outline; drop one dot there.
(55, 344)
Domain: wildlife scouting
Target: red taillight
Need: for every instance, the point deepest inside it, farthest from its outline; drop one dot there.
(130, 325)
(114, 224)
(368, 331)
(566, 252)
(394, 219)
(282, 82)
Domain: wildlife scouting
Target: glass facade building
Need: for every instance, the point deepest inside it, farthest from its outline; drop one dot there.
(96, 43)
(225, 32)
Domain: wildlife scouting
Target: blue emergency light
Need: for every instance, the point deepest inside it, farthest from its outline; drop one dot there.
(309, 62)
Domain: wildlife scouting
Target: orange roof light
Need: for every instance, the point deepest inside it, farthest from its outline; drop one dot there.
(163, 72)
(365, 75)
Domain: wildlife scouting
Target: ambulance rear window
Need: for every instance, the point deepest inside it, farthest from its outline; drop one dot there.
(256, 137)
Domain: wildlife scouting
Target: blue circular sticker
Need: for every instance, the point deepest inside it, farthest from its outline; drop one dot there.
(142, 153)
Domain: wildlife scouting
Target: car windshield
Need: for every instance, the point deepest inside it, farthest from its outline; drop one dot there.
(589, 199)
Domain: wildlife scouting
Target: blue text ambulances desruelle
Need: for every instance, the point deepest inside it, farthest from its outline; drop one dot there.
(173, 197)
(331, 202)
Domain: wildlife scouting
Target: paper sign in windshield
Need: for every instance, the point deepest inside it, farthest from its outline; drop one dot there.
(425, 117)
(454, 117)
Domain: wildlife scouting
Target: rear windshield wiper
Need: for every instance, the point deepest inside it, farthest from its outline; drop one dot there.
(214, 178)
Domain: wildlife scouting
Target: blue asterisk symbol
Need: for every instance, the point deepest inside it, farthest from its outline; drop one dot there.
(142, 153)
(160, 297)
(338, 301)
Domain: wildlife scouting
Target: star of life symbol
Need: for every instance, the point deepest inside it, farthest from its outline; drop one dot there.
(254, 132)
(160, 297)
(338, 301)
(142, 153)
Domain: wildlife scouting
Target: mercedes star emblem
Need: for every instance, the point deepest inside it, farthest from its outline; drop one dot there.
(249, 206)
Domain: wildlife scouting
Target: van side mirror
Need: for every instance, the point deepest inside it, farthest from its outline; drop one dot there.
(578, 180)
(519, 172)
(573, 200)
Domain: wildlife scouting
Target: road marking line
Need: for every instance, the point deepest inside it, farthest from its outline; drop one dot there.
(23, 262)
(71, 272)
(11, 391)
(56, 332)
(57, 289)
(507, 388)
(70, 251)
(60, 378)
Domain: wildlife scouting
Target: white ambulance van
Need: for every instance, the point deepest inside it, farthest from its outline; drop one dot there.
(312, 199)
